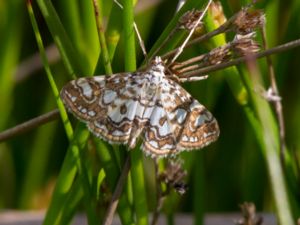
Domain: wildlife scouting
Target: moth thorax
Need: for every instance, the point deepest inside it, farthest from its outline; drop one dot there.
(150, 90)
(158, 65)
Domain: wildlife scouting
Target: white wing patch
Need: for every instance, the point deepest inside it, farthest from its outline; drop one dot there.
(122, 107)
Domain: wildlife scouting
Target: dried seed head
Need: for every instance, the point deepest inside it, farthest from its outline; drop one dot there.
(248, 210)
(249, 215)
(217, 55)
(247, 20)
(180, 188)
(245, 44)
(174, 175)
(189, 19)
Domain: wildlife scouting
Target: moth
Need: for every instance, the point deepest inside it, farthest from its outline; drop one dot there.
(148, 104)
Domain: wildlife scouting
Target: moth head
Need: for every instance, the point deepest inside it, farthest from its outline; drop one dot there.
(158, 65)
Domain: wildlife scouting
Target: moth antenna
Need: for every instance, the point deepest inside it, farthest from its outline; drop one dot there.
(141, 42)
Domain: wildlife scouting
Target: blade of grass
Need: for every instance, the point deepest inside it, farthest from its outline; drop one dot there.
(60, 105)
(11, 31)
(292, 170)
(73, 198)
(73, 16)
(234, 80)
(10, 46)
(89, 32)
(114, 29)
(199, 189)
(64, 116)
(137, 173)
(66, 176)
(112, 37)
(266, 134)
(101, 36)
(113, 172)
(70, 16)
(36, 168)
(189, 4)
(58, 31)
(232, 76)
(124, 208)
(62, 41)
(129, 38)
(271, 148)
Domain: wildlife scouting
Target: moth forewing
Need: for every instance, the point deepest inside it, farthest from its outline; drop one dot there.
(122, 107)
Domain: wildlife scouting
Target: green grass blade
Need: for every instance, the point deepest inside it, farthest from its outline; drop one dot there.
(11, 35)
(71, 202)
(271, 148)
(112, 173)
(89, 33)
(60, 105)
(265, 129)
(10, 46)
(114, 29)
(129, 38)
(137, 173)
(58, 30)
(189, 4)
(105, 59)
(199, 188)
(66, 176)
(36, 168)
(70, 17)
(62, 41)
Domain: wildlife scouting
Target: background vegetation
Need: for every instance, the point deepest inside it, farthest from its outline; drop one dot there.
(243, 165)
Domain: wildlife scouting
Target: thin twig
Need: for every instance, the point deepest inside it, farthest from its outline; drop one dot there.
(188, 62)
(277, 104)
(28, 125)
(188, 68)
(275, 50)
(117, 193)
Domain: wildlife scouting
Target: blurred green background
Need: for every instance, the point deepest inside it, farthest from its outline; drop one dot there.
(220, 177)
